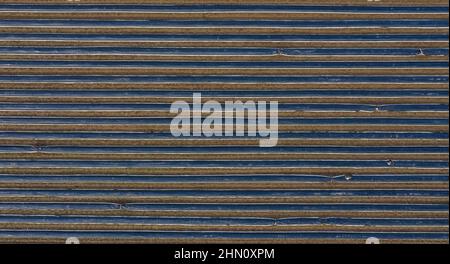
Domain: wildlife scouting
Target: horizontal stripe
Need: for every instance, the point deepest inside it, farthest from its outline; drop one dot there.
(281, 107)
(228, 79)
(109, 12)
(165, 128)
(253, 7)
(108, 184)
(203, 170)
(223, 156)
(229, 2)
(220, 71)
(220, 164)
(233, 43)
(232, 178)
(239, 23)
(162, 121)
(274, 57)
(161, 113)
(178, 94)
(399, 64)
(216, 51)
(144, 136)
(211, 86)
(216, 235)
(250, 193)
(228, 149)
(105, 38)
(225, 221)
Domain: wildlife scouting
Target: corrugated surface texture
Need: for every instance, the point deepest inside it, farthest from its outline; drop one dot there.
(85, 146)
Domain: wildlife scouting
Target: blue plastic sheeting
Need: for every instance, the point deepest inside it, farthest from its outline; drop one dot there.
(60, 178)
